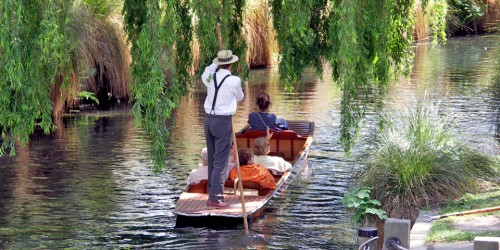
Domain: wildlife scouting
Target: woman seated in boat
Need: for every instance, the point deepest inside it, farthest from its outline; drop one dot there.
(262, 119)
(201, 173)
(276, 164)
(252, 172)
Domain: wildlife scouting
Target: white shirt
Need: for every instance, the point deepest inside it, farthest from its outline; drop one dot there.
(274, 163)
(196, 175)
(201, 173)
(229, 93)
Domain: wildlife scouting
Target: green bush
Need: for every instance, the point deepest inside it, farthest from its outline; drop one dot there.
(419, 161)
(359, 201)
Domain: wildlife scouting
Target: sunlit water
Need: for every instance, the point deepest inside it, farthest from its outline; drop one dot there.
(90, 184)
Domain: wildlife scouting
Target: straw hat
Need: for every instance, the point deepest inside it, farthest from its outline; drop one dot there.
(225, 57)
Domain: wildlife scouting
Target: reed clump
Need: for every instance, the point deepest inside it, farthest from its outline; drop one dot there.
(101, 62)
(420, 162)
(261, 37)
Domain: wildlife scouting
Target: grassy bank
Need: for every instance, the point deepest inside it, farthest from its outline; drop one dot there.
(450, 229)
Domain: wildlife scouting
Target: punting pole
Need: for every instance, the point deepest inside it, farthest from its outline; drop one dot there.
(240, 183)
(475, 211)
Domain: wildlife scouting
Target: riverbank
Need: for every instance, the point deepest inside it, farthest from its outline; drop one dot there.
(457, 232)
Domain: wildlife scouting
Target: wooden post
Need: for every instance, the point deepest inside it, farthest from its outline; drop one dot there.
(237, 159)
(486, 243)
(397, 228)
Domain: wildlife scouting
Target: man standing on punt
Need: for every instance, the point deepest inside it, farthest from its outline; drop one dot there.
(223, 93)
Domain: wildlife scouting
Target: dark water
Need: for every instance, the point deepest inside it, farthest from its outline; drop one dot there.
(90, 184)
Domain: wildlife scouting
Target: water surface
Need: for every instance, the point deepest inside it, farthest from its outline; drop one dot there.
(90, 184)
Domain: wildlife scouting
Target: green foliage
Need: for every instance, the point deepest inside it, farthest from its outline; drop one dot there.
(135, 14)
(233, 19)
(208, 13)
(35, 49)
(360, 202)
(103, 8)
(88, 96)
(160, 33)
(443, 230)
(184, 32)
(302, 36)
(366, 43)
(419, 161)
(153, 103)
(437, 22)
(101, 57)
(463, 13)
(490, 198)
(366, 53)
(227, 13)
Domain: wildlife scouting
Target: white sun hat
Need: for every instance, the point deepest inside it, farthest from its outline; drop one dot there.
(225, 57)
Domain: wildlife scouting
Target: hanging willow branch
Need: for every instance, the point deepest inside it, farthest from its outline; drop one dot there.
(365, 41)
(35, 48)
(301, 27)
(155, 88)
(160, 33)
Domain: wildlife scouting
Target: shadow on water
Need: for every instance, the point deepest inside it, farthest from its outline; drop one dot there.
(90, 184)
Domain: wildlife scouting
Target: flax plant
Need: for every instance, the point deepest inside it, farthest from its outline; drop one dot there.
(101, 49)
(420, 161)
(261, 37)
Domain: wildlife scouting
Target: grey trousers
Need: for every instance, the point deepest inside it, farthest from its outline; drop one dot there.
(218, 131)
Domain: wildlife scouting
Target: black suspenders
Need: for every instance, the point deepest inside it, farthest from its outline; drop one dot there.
(212, 112)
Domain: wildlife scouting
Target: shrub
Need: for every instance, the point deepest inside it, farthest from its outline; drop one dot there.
(419, 161)
(359, 201)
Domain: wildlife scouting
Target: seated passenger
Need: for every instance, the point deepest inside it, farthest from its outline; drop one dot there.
(201, 173)
(232, 161)
(262, 119)
(276, 164)
(252, 172)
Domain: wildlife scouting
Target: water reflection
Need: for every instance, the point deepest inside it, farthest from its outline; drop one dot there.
(90, 184)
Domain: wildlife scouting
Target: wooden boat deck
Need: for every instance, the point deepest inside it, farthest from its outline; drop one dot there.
(195, 204)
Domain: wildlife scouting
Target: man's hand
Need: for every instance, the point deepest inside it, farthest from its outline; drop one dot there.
(268, 135)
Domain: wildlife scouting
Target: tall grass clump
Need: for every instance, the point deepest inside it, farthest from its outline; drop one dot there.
(419, 161)
(101, 51)
(261, 36)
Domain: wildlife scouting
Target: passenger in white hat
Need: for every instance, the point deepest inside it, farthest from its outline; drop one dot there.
(223, 92)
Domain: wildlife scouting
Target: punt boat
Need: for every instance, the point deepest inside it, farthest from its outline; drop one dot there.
(293, 145)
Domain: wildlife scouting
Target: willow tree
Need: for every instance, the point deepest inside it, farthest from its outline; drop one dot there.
(160, 33)
(155, 89)
(35, 49)
(365, 41)
(227, 14)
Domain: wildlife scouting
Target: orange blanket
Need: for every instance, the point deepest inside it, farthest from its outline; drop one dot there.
(254, 173)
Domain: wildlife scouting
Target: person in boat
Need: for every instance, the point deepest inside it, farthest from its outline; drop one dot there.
(263, 119)
(223, 92)
(201, 173)
(251, 171)
(276, 164)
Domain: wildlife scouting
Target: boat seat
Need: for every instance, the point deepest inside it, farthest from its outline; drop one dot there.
(287, 142)
(201, 187)
(280, 154)
(248, 185)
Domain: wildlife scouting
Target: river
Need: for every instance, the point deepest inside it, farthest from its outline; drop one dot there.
(90, 184)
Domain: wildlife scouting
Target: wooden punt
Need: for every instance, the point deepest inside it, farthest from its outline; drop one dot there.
(293, 145)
